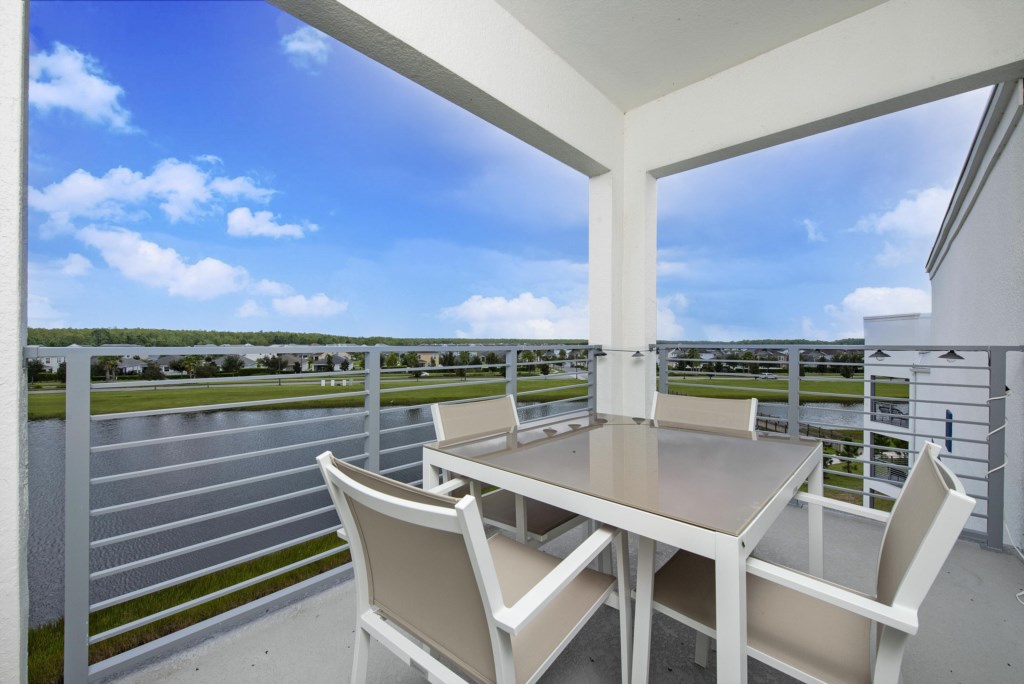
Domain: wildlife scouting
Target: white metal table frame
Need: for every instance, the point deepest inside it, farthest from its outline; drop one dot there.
(729, 552)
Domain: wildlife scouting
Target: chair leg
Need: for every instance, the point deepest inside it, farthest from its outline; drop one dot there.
(701, 648)
(360, 654)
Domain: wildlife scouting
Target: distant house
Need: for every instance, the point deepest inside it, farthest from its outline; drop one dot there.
(126, 365)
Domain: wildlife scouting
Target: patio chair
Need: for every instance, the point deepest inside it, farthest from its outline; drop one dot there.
(533, 522)
(723, 414)
(429, 582)
(818, 631)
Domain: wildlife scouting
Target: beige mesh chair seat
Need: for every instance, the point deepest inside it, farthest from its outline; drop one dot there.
(700, 412)
(541, 522)
(429, 582)
(818, 631)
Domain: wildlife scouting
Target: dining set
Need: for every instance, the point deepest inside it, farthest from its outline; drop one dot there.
(452, 578)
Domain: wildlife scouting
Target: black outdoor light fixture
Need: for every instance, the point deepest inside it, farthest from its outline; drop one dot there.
(880, 355)
(637, 354)
(951, 356)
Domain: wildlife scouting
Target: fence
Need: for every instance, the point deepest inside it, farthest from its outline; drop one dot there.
(145, 516)
(895, 399)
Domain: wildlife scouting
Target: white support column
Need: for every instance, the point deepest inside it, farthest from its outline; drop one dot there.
(13, 457)
(623, 256)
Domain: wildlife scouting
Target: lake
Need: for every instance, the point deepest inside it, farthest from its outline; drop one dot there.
(46, 487)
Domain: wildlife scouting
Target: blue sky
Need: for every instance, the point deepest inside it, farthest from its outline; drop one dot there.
(221, 166)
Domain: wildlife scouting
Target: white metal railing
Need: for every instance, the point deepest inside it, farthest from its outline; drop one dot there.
(956, 400)
(194, 497)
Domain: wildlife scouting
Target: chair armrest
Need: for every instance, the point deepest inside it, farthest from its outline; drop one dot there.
(835, 504)
(448, 486)
(903, 619)
(513, 619)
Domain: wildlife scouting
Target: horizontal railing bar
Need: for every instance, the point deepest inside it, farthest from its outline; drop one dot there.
(220, 433)
(240, 380)
(578, 385)
(561, 401)
(403, 428)
(201, 490)
(676, 344)
(937, 438)
(860, 492)
(199, 546)
(395, 469)
(181, 607)
(209, 570)
(730, 387)
(442, 385)
(983, 516)
(811, 407)
(223, 407)
(106, 541)
(858, 397)
(134, 474)
(969, 459)
(412, 445)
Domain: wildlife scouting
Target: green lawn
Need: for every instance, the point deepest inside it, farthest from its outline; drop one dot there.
(117, 401)
(46, 643)
(812, 388)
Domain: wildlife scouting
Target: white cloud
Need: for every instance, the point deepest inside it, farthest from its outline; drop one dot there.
(242, 222)
(150, 264)
(74, 265)
(270, 288)
(672, 269)
(299, 305)
(306, 48)
(67, 79)
(910, 227)
(525, 316)
(240, 186)
(42, 314)
(813, 232)
(250, 309)
(669, 327)
(847, 319)
(182, 188)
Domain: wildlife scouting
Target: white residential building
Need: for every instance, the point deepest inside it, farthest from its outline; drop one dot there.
(977, 282)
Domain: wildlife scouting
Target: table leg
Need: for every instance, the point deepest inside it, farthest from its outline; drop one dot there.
(521, 533)
(644, 610)
(625, 603)
(815, 523)
(731, 609)
(431, 475)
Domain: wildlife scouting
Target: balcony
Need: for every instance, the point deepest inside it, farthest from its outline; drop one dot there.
(958, 641)
(182, 494)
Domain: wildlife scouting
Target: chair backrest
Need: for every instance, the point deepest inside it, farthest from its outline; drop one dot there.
(475, 418)
(727, 414)
(417, 561)
(926, 521)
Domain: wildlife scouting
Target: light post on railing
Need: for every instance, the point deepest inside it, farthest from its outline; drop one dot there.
(793, 384)
(511, 371)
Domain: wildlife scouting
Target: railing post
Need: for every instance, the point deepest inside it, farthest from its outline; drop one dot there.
(793, 380)
(663, 370)
(76, 518)
(371, 365)
(996, 446)
(591, 380)
(512, 371)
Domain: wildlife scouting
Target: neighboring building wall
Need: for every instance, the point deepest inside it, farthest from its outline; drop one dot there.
(977, 272)
(13, 411)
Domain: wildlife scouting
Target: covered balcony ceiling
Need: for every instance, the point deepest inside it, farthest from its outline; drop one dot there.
(635, 52)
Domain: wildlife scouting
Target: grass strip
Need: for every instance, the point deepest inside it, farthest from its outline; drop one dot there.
(46, 642)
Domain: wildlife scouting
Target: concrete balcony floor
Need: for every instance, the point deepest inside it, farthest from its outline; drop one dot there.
(972, 627)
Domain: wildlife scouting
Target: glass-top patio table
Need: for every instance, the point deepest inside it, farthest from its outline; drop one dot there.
(714, 493)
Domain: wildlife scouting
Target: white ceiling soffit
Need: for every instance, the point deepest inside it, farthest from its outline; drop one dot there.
(635, 51)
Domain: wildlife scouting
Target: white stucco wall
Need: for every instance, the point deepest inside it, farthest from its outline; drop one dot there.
(978, 291)
(13, 455)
